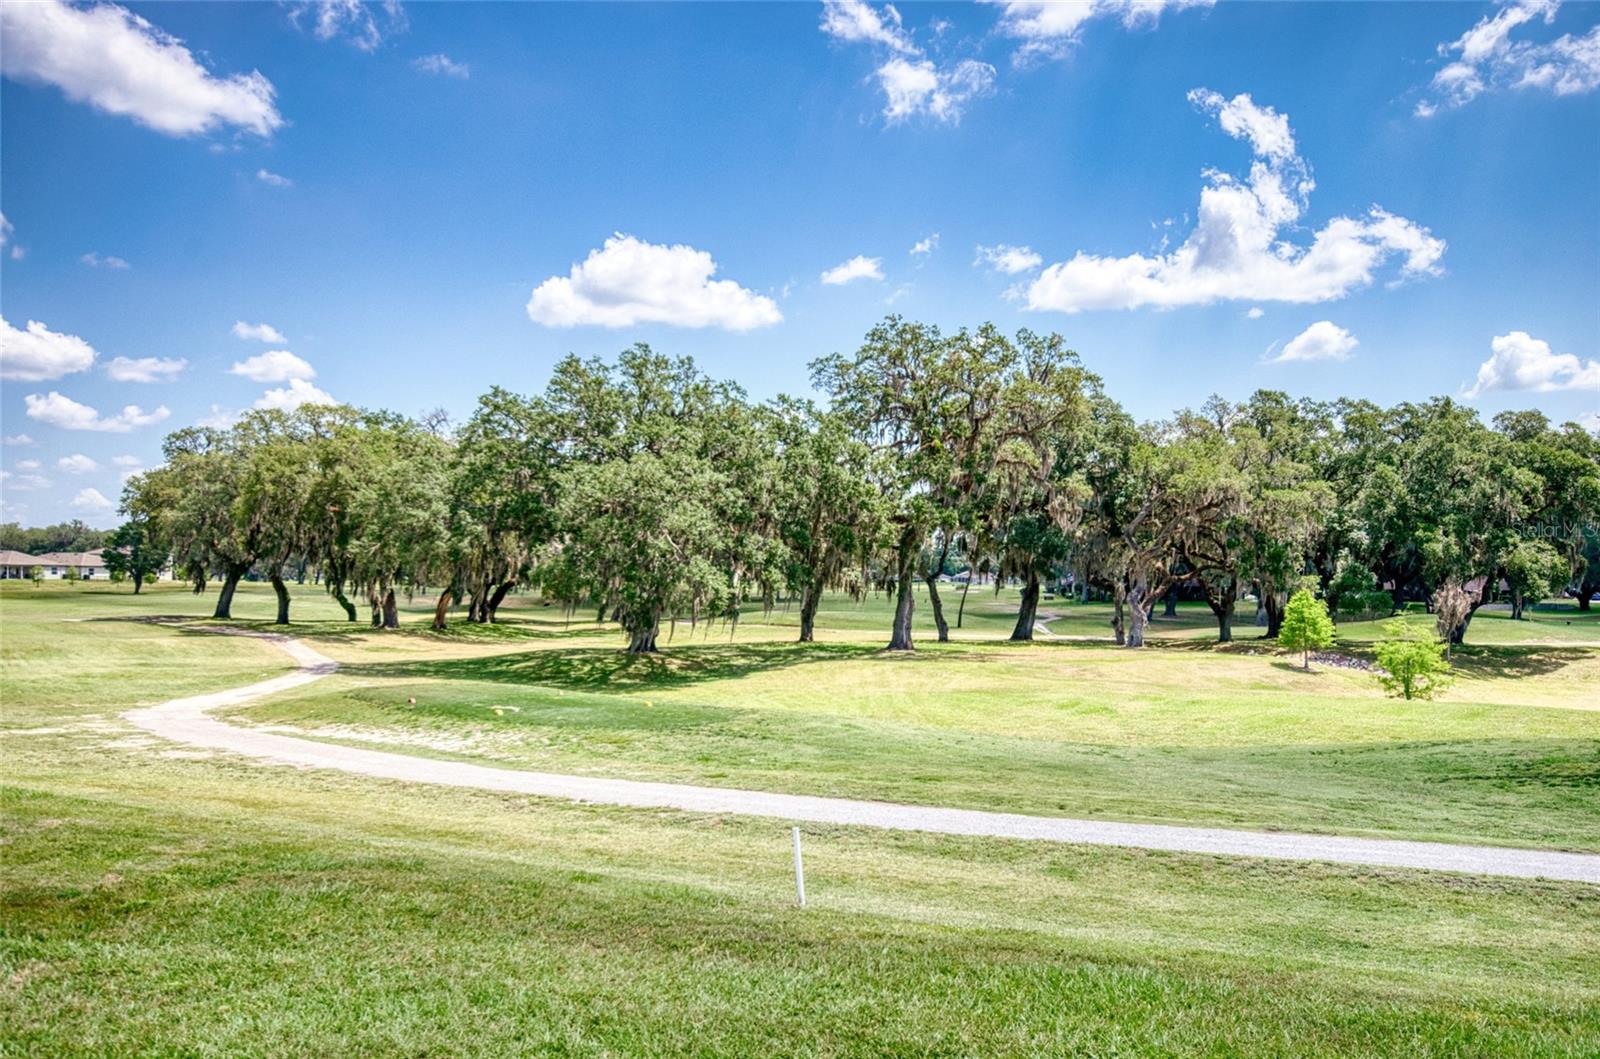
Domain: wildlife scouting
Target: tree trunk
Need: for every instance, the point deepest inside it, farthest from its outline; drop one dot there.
(905, 596)
(340, 598)
(498, 598)
(1029, 611)
(391, 611)
(441, 608)
(1274, 613)
(643, 641)
(138, 580)
(1118, 628)
(1459, 637)
(375, 601)
(810, 596)
(1584, 592)
(1223, 609)
(1261, 609)
(962, 609)
(1139, 612)
(1172, 603)
(938, 608)
(225, 598)
(1516, 604)
(282, 591)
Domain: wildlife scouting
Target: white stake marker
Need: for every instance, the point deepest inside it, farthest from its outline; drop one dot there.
(799, 872)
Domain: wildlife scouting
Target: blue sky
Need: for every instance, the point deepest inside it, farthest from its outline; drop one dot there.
(1381, 200)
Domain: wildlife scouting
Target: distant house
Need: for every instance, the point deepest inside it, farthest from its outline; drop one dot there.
(16, 565)
(90, 566)
(53, 566)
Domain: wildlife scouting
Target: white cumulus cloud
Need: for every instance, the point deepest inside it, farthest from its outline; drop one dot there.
(298, 392)
(629, 282)
(442, 65)
(924, 247)
(275, 365)
(1002, 257)
(858, 267)
(856, 22)
(77, 463)
(914, 87)
(23, 483)
(1239, 248)
(96, 260)
(354, 21)
(1518, 361)
(273, 180)
(1049, 28)
(38, 353)
(1323, 340)
(115, 61)
(19, 441)
(92, 501)
(146, 369)
(7, 230)
(1490, 57)
(257, 332)
(60, 411)
(912, 84)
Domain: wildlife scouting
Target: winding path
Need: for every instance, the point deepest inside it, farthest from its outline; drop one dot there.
(187, 721)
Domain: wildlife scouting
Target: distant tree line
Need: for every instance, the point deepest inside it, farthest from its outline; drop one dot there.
(71, 536)
(653, 495)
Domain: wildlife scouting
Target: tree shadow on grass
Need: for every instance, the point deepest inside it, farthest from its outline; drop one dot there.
(606, 667)
(1472, 662)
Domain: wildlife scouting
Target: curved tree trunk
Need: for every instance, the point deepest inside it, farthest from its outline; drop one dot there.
(230, 582)
(498, 598)
(905, 596)
(1028, 613)
(1224, 614)
(810, 596)
(966, 586)
(336, 589)
(282, 591)
(442, 608)
(938, 607)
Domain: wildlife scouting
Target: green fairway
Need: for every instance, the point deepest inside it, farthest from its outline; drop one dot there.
(161, 900)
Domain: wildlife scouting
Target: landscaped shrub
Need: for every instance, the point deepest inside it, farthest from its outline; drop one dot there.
(1414, 665)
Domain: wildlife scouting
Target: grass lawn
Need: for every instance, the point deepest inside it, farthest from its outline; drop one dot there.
(158, 900)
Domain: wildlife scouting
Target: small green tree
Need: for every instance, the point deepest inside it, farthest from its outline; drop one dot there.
(1414, 666)
(73, 575)
(1306, 626)
(130, 552)
(36, 575)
